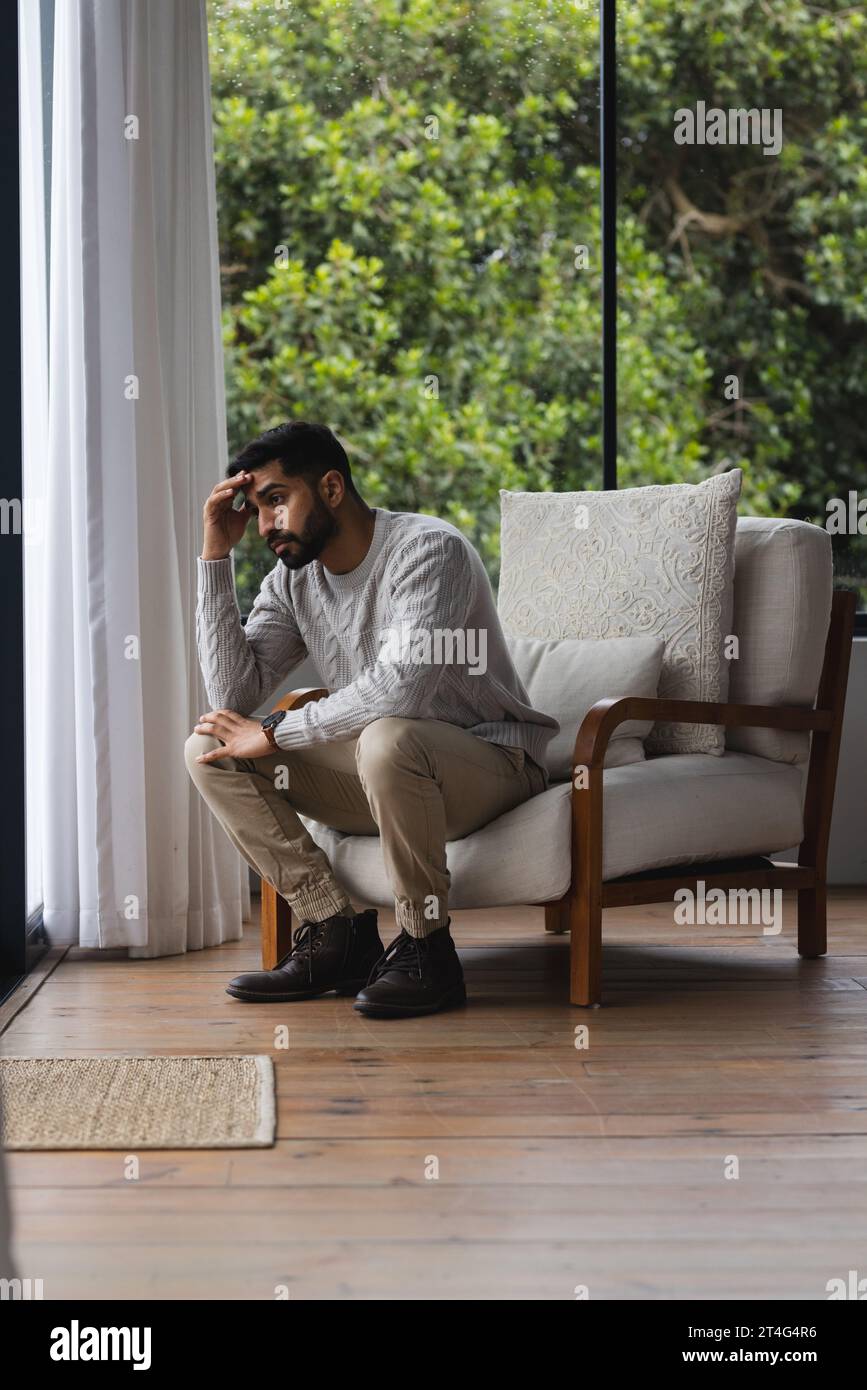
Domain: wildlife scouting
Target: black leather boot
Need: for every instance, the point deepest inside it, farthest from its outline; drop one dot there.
(337, 954)
(415, 975)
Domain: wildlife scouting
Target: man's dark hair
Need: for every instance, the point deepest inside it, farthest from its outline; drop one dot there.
(303, 450)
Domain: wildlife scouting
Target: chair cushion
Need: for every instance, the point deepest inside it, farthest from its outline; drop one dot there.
(690, 808)
(565, 678)
(657, 561)
(679, 809)
(782, 607)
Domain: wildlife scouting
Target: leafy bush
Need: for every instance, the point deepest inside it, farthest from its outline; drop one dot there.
(403, 186)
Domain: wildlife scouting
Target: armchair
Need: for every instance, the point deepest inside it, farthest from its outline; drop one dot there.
(636, 834)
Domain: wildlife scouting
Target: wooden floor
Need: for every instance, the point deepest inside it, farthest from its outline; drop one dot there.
(559, 1167)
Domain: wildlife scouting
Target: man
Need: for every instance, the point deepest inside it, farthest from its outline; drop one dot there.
(426, 734)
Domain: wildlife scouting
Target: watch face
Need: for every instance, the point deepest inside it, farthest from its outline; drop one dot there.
(271, 719)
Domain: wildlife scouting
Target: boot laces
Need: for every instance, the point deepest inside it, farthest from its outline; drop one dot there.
(405, 954)
(308, 937)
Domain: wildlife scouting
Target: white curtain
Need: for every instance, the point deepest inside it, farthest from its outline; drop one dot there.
(125, 437)
(34, 420)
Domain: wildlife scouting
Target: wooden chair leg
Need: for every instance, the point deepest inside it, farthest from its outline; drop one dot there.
(585, 924)
(557, 915)
(822, 777)
(585, 895)
(276, 926)
(813, 921)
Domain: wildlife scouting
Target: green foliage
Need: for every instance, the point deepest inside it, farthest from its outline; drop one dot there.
(766, 257)
(421, 295)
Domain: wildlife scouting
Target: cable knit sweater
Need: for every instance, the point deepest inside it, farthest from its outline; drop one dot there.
(387, 639)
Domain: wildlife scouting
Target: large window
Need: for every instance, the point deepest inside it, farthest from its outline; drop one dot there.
(408, 204)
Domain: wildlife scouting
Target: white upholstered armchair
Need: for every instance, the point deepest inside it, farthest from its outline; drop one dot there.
(633, 833)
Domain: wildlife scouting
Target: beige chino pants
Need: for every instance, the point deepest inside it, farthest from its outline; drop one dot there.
(415, 782)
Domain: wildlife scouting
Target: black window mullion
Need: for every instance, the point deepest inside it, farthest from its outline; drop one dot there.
(608, 176)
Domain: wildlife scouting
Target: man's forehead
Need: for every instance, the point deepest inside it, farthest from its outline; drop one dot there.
(264, 478)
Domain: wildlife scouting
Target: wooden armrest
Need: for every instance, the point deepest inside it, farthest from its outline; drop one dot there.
(603, 718)
(296, 698)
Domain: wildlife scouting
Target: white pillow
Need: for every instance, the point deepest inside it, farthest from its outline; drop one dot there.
(656, 561)
(564, 678)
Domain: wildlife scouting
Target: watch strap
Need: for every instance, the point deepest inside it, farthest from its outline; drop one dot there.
(269, 724)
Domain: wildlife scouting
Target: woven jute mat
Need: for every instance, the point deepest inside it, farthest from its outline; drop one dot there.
(137, 1102)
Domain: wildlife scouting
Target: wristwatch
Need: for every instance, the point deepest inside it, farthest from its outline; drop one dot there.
(270, 722)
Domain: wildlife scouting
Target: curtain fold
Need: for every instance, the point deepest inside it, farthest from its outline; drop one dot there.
(134, 441)
(34, 159)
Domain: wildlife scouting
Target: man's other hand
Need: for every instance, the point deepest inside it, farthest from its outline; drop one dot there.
(242, 738)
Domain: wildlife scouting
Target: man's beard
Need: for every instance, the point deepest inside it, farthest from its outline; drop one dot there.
(316, 532)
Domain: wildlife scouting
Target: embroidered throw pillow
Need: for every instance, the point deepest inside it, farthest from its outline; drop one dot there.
(655, 561)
